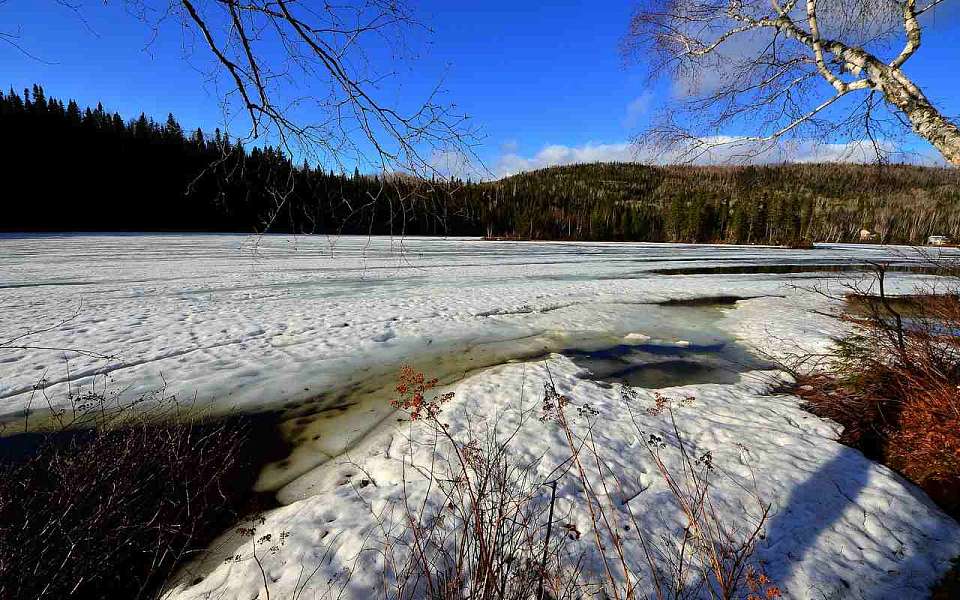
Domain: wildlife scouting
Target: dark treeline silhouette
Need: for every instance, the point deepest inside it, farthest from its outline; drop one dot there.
(67, 168)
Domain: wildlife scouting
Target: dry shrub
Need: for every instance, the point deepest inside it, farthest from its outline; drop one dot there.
(852, 403)
(894, 384)
(948, 588)
(482, 529)
(110, 501)
(925, 443)
(496, 535)
(799, 244)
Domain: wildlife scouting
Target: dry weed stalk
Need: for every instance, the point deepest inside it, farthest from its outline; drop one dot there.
(482, 534)
(478, 531)
(713, 556)
(111, 496)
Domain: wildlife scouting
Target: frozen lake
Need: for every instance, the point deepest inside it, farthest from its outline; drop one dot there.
(237, 319)
(319, 326)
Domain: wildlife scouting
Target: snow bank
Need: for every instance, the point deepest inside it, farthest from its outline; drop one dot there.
(841, 525)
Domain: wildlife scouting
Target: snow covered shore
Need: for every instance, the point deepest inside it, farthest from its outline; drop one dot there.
(841, 525)
(240, 322)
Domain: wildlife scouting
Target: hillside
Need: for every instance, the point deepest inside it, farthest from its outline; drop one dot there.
(748, 204)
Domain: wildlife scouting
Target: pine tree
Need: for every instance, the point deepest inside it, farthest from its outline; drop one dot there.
(73, 114)
(172, 132)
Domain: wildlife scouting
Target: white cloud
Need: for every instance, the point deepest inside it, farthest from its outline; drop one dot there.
(733, 149)
(557, 154)
(639, 107)
(509, 147)
(457, 164)
(712, 150)
(720, 149)
(719, 68)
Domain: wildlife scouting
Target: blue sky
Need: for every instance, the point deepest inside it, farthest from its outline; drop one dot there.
(545, 83)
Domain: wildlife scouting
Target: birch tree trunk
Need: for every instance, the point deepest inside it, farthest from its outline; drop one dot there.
(927, 121)
(772, 79)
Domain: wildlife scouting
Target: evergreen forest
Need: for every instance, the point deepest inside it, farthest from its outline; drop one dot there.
(67, 168)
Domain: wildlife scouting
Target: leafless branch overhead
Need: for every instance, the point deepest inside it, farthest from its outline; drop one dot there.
(784, 69)
(310, 76)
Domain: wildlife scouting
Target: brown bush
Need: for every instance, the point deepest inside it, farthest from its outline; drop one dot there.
(948, 588)
(109, 509)
(925, 444)
(800, 244)
(895, 385)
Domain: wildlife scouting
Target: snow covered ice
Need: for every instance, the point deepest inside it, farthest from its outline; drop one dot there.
(239, 320)
(236, 321)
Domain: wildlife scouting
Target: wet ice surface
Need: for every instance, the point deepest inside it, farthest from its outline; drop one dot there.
(318, 327)
(240, 320)
(658, 366)
(691, 349)
(701, 353)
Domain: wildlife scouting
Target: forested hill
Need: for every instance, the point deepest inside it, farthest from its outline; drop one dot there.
(70, 168)
(750, 204)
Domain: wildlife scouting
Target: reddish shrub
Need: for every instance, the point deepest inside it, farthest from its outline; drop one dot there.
(925, 444)
(895, 387)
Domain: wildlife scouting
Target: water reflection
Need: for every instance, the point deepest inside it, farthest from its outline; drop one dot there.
(659, 365)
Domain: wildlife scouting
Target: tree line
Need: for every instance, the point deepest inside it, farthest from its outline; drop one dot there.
(768, 204)
(73, 169)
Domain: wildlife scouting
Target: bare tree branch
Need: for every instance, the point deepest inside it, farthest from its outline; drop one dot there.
(761, 65)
